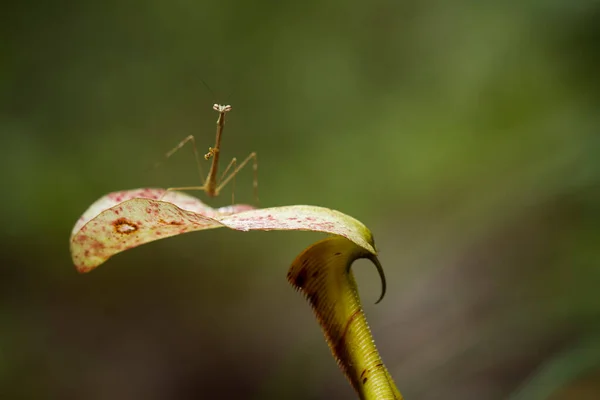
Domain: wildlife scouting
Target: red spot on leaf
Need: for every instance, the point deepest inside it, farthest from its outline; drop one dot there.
(162, 221)
(123, 225)
(96, 245)
(81, 239)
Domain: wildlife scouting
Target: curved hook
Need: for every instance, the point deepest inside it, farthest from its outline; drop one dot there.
(379, 268)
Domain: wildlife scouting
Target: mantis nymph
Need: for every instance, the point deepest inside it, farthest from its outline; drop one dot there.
(211, 185)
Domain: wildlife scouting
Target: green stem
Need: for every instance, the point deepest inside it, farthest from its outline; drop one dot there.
(322, 274)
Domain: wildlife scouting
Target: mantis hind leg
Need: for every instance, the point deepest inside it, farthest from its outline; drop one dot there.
(236, 169)
(171, 189)
(232, 163)
(186, 188)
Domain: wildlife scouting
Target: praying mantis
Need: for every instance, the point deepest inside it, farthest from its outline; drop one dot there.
(211, 185)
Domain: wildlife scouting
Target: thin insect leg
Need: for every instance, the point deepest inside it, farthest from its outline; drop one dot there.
(237, 169)
(181, 188)
(233, 190)
(232, 163)
(187, 188)
(180, 145)
(255, 178)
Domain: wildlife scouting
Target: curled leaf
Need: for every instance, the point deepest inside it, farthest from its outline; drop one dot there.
(123, 220)
(322, 273)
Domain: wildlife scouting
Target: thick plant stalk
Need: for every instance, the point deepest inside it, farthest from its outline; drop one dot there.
(322, 273)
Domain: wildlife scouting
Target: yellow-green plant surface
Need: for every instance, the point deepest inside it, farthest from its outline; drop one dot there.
(123, 220)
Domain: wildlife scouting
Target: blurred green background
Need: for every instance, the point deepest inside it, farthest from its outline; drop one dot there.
(463, 133)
